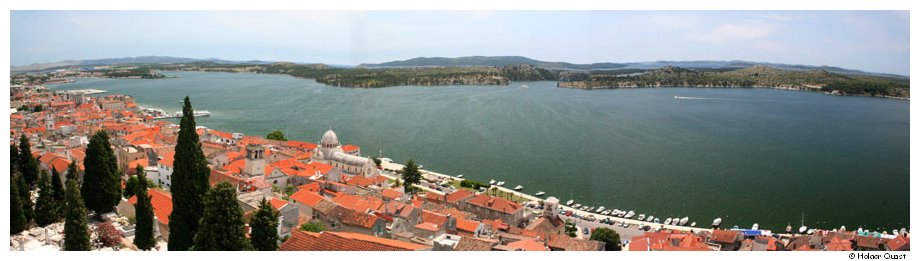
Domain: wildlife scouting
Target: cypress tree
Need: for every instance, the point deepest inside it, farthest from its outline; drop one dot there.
(57, 189)
(222, 227)
(131, 184)
(17, 217)
(76, 234)
(143, 237)
(264, 226)
(72, 173)
(14, 158)
(45, 206)
(28, 165)
(101, 187)
(26, 196)
(411, 176)
(189, 183)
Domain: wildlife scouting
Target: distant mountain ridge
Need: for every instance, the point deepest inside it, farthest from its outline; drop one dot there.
(124, 60)
(513, 60)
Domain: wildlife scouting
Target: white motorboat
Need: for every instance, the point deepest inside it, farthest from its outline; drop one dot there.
(630, 214)
(693, 224)
(591, 209)
(656, 220)
(667, 221)
(606, 212)
(755, 226)
(460, 176)
(641, 217)
(600, 209)
(576, 205)
(683, 221)
(540, 193)
(675, 220)
(803, 229)
(650, 218)
(500, 183)
(569, 203)
(519, 187)
(716, 222)
(492, 182)
(583, 208)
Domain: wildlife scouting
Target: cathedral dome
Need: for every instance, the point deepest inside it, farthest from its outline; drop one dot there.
(330, 140)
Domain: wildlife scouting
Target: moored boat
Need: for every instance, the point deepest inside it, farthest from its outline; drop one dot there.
(656, 220)
(569, 203)
(500, 183)
(683, 221)
(492, 182)
(650, 218)
(600, 209)
(755, 227)
(540, 193)
(716, 222)
(641, 217)
(693, 224)
(519, 187)
(630, 214)
(667, 221)
(576, 206)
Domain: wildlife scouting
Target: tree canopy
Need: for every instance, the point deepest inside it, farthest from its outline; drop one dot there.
(411, 176)
(264, 226)
(76, 236)
(276, 135)
(144, 236)
(189, 183)
(222, 227)
(610, 238)
(101, 187)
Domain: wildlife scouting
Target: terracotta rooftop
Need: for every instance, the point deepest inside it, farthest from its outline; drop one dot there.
(161, 202)
(344, 241)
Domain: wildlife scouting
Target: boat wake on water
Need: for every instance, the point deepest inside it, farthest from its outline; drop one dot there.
(705, 98)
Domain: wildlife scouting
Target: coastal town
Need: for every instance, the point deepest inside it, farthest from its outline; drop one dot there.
(328, 196)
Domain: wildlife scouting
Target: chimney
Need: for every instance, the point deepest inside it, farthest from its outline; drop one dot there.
(491, 201)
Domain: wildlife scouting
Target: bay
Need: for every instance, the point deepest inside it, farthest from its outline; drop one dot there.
(746, 155)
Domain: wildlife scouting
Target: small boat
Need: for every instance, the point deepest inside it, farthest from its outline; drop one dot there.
(641, 217)
(693, 224)
(500, 183)
(492, 182)
(683, 221)
(576, 205)
(519, 187)
(656, 220)
(540, 193)
(600, 209)
(788, 228)
(583, 208)
(811, 231)
(460, 176)
(630, 214)
(674, 221)
(622, 213)
(716, 222)
(650, 218)
(803, 229)
(569, 203)
(591, 209)
(755, 226)
(667, 221)
(606, 212)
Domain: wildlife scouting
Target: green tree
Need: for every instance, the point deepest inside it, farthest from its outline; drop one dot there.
(73, 173)
(313, 226)
(610, 238)
(377, 161)
(264, 226)
(14, 158)
(131, 184)
(411, 176)
(101, 187)
(143, 210)
(276, 135)
(17, 217)
(46, 208)
(76, 234)
(189, 183)
(26, 195)
(222, 227)
(28, 165)
(57, 189)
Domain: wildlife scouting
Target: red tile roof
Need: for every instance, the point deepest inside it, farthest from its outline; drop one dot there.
(428, 226)
(467, 225)
(301, 144)
(344, 241)
(725, 236)
(458, 195)
(278, 203)
(528, 245)
(899, 243)
(360, 204)
(495, 203)
(162, 204)
(839, 245)
(391, 193)
(306, 197)
(350, 148)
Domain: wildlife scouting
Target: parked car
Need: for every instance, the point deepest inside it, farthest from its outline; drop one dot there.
(585, 231)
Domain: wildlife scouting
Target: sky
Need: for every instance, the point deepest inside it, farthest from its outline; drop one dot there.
(873, 41)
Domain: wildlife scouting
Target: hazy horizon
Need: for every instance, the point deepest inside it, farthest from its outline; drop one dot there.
(871, 41)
